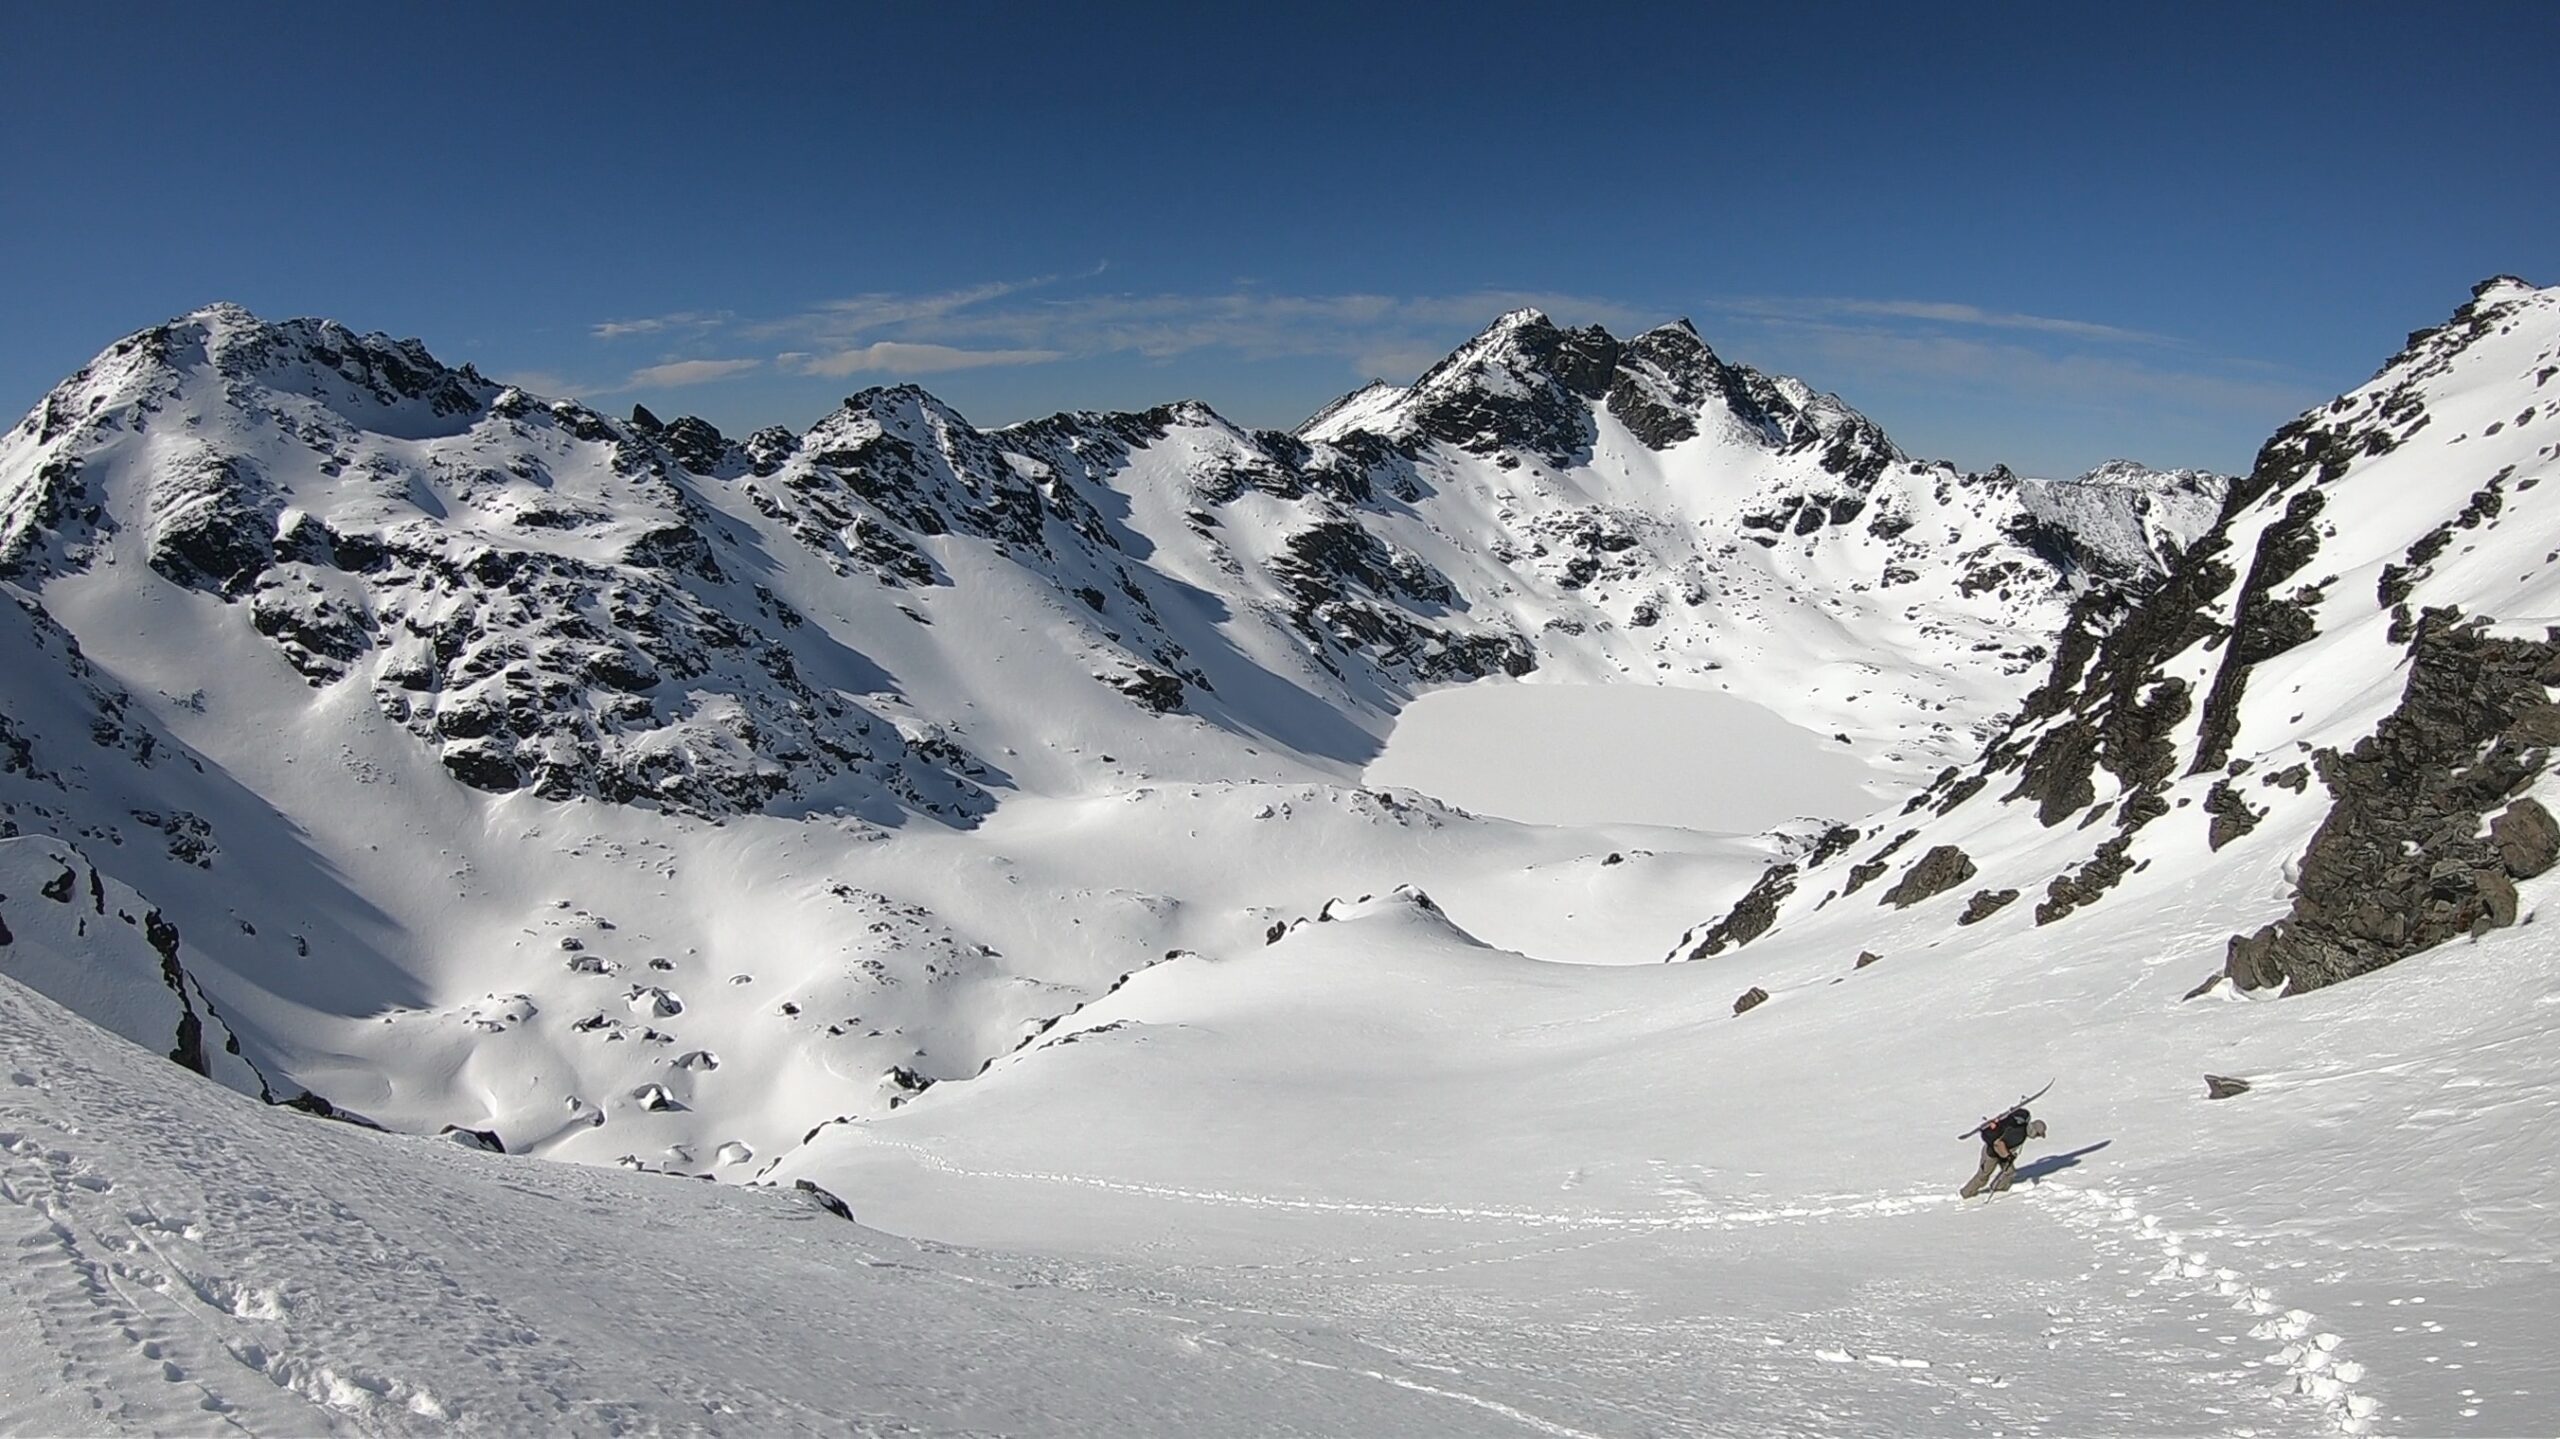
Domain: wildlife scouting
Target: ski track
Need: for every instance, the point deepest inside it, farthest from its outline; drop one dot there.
(2316, 1373)
(128, 1302)
(1491, 1406)
(128, 1298)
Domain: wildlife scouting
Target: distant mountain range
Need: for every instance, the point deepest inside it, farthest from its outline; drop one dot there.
(471, 757)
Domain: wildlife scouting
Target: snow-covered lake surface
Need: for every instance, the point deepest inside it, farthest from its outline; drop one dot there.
(1621, 754)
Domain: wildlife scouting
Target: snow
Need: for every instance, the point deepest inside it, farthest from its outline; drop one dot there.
(1621, 754)
(1374, 1177)
(1286, 1064)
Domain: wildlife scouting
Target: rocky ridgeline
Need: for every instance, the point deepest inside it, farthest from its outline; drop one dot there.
(2143, 708)
(569, 604)
(1528, 391)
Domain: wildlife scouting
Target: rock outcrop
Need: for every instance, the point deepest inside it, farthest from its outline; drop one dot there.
(1933, 874)
(2409, 855)
(1749, 918)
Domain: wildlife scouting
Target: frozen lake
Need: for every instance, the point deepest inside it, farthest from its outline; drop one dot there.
(1622, 754)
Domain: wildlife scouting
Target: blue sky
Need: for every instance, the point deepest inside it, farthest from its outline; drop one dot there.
(2008, 234)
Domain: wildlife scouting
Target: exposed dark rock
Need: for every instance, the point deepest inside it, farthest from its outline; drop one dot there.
(2140, 808)
(1542, 405)
(2537, 725)
(1663, 376)
(2400, 864)
(2085, 885)
(1833, 843)
(1151, 688)
(1936, 872)
(2527, 838)
(2265, 624)
(163, 937)
(2059, 774)
(1751, 999)
(1866, 957)
(485, 1140)
(1986, 903)
(1962, 790)
(814, 1194)
(700, 447)
(312, 1103)
(1861, 875)
(213, 522)
(2293, 777)
(1749, 918)
(2219, 1087)
(2232, 816)
(483, 770)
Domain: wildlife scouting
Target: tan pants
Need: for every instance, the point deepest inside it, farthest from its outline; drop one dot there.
(2007, 1169)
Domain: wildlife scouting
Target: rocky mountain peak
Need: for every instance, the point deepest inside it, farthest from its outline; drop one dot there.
(902, 407)
(2334, 677)
(1525, 348)
(376, 373)
(1522, 385)
(1526, 387)
(2500, 289)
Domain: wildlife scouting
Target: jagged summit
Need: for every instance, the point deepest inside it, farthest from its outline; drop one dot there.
(2501, 289)
(1526, 386)
(2338, 691)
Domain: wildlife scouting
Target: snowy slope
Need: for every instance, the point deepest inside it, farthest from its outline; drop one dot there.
(971, 822)
(184, 1261)
(1760, 1217)
(642, 796)
(2356, 1244)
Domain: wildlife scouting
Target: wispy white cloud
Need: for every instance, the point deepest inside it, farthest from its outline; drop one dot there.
(681, 322)
(1846, 356)
(1936, 312)
(676, 373)
(1011, 322)
(900, 357)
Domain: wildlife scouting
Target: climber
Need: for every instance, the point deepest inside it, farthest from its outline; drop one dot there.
(2002, 1138)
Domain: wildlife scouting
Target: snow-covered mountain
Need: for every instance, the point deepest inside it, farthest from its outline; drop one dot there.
(971, 823)
(380, 641)
(2340, 687)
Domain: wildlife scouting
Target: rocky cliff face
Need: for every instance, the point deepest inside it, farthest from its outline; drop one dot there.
(2363, 610)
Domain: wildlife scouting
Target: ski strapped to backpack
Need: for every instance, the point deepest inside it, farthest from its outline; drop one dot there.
(1990, 1119)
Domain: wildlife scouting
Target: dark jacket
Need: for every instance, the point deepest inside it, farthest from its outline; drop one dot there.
(2007, 1132)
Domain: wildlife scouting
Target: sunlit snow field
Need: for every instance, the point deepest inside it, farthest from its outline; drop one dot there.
(1240, 1090)
(1621, 754)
